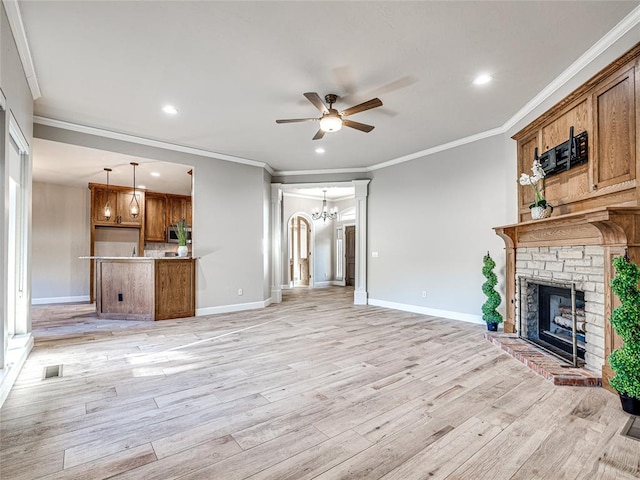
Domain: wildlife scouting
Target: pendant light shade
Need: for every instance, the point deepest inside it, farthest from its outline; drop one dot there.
(107, 205)
(134, 206)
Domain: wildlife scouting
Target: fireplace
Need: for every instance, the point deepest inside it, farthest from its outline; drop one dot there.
(553, 317)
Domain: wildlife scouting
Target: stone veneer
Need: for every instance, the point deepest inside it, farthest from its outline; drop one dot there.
(582, 265)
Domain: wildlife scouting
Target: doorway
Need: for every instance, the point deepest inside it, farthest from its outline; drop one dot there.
(300, 252)
(350, 255)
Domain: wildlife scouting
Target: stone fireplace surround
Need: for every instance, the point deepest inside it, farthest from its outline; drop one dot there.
(582, 265)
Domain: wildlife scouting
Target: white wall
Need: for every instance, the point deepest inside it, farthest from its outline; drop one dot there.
(61, 234)
(430, 220)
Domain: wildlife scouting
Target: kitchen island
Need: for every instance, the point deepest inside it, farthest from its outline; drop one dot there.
(145, 288)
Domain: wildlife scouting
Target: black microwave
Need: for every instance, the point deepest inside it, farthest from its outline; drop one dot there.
(172, 235)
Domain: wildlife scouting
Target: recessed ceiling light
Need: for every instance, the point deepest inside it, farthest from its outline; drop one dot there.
(170, 110)
(319, 150)
(155, 174)
(482, 79)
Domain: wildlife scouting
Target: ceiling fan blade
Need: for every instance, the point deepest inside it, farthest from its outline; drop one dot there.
(319, 134)
(296, 120)
(363, 127)
(314, 98)
(368, 105)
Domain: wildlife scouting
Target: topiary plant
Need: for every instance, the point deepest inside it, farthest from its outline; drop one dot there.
(625, 361)
(489, 312)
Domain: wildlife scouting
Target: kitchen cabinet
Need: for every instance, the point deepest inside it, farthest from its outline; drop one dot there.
(155, 217)
(179, 207)
(120, 199)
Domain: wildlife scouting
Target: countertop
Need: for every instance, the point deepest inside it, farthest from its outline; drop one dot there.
(138, 259)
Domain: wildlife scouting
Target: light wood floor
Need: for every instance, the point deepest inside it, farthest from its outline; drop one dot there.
(312, 388)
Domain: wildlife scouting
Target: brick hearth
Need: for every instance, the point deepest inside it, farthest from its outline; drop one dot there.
(550, 367)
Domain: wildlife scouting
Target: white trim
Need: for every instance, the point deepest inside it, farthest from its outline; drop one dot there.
(238, 307)
(17, 135)
(125, 137)
(338, 283)
(3, 100)
(47, 300)
(22, 44)
(19, 348)
(324, 283)
(288, 173)
(435, 312)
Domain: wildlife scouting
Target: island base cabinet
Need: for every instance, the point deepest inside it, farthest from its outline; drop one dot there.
(145, 288)
(175, 289)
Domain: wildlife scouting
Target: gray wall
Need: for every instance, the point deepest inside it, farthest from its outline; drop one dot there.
(61, 234)
(431, 219)
(229, 205)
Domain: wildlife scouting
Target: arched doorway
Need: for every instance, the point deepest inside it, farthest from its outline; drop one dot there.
(300, 241)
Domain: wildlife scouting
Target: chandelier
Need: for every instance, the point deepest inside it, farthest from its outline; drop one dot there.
(324, 213)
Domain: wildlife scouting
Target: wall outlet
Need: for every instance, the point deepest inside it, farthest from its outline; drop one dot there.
(239, 291)
(424, 294)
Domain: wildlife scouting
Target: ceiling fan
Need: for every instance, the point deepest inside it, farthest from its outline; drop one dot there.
(332, 120)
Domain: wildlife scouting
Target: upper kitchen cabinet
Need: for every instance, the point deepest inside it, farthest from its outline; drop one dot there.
(155, 219)
(120, 199)
(602, 113)
(179, 208)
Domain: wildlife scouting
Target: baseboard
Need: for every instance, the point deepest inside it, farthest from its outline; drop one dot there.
(17, 353)
(338, 283)
(46, 300)
(238, 307)
(325, 283)
(464, 317)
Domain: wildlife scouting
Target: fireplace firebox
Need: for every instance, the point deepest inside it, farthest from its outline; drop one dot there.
(553, 317)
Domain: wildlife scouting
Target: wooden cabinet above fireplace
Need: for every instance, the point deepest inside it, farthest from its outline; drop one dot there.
(606, 108)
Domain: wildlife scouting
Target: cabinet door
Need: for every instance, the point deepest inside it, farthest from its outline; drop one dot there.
(179, 208)
(124, 208)
(99, 200)
(614, 142)
(155, 218)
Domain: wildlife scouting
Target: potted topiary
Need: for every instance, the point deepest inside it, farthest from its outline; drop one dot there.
(625, 361)
(489, 312)
(181, 233)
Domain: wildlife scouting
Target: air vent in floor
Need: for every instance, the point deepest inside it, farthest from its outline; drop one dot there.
(52, 371)
(632, 428)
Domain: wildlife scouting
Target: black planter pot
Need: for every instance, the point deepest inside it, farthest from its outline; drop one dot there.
(492, 327)
(630, 405)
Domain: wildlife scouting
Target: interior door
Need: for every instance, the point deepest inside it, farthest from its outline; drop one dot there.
(304, 237)
(350, 254)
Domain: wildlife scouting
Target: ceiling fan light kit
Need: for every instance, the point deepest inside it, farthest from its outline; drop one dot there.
(332, 120)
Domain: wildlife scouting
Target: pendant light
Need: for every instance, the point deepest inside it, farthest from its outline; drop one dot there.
(324, 213)
(107, 206)
(134, 206)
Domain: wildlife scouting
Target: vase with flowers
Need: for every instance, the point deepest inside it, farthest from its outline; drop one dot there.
(540, 208)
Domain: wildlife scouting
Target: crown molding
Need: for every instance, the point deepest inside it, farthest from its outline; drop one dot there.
(289, 173)
(50, 122)
(22, 44)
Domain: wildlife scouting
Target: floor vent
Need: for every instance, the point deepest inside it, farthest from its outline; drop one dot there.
(632, 428)
(52, 371)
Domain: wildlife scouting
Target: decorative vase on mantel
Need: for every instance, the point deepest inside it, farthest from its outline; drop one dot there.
(183, 251)
(540, 212)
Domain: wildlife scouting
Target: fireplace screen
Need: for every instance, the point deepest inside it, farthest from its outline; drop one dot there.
(553, 317)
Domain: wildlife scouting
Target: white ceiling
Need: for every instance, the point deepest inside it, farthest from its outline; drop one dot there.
(233, 68)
